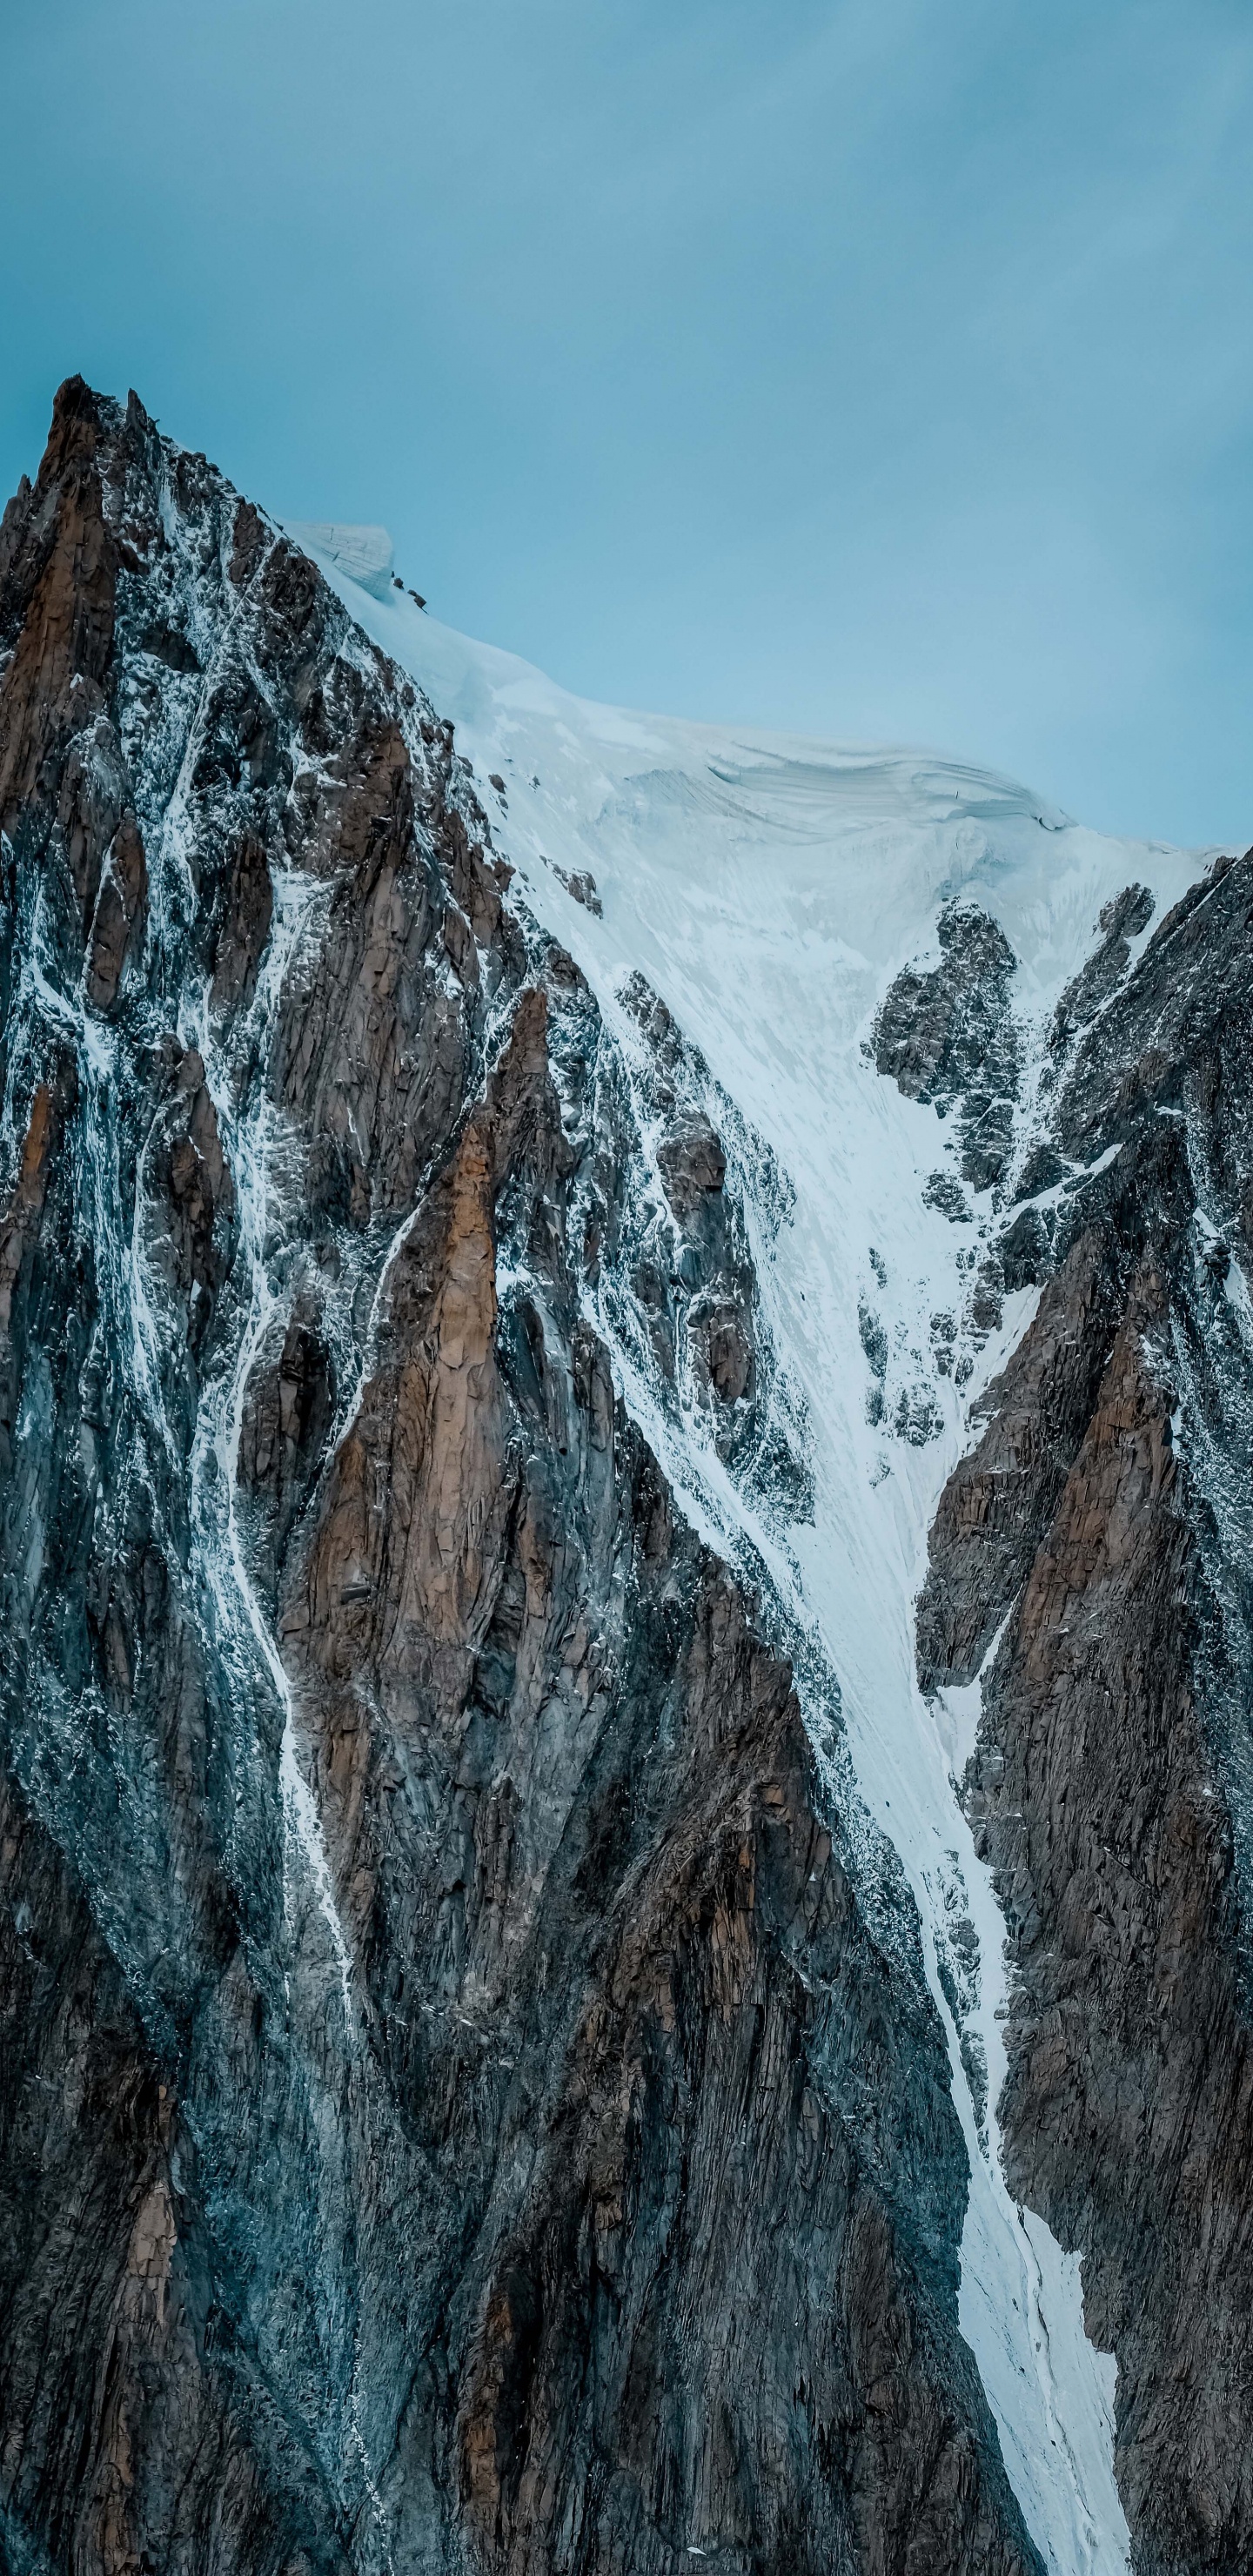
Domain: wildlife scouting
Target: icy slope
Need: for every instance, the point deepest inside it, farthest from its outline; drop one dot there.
(769, 890)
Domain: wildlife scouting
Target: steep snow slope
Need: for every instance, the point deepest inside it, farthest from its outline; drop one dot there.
(769, 890)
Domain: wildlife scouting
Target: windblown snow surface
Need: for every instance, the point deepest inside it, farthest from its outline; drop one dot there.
(769, 889)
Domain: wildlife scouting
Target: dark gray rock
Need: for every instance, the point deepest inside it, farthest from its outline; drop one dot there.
(460, 2107)
(944, 1192)
(1024, 1251)
(1106, 1510)
(946, 1034)
(1120, 921)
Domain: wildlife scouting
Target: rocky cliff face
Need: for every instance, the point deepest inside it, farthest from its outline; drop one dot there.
(472, 2097)
(1105, 1509)
(478, 2091)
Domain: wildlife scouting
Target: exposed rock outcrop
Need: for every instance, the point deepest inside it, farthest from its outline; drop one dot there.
(947, 1035)
(462, 2107)
(1106, 1511)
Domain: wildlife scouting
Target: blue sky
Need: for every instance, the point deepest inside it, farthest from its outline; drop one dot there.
(882, 369)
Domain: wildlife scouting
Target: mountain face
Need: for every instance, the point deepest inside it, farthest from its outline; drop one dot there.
(625, 1396)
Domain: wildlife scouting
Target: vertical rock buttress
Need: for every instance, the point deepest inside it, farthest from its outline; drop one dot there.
(457, 2110)
(1105, 1510)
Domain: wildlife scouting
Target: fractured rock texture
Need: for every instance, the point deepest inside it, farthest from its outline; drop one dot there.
(1106, 1508)
(459, 2107)
(946, 1034)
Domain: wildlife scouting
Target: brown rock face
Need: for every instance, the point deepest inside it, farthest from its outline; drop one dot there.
(119, 915)
(992, 1510)
(58, 571)
(1105, 1510)
(461, 2106)
(610, 1814)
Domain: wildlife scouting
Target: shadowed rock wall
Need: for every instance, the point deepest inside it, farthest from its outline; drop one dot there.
(457, 2111)
(1107, 1507)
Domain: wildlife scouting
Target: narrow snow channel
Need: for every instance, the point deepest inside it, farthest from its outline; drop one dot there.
(769, 889)
(253, 1143)
(253, 1148)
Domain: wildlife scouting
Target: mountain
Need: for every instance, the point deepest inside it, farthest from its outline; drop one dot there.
(625, 1394)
